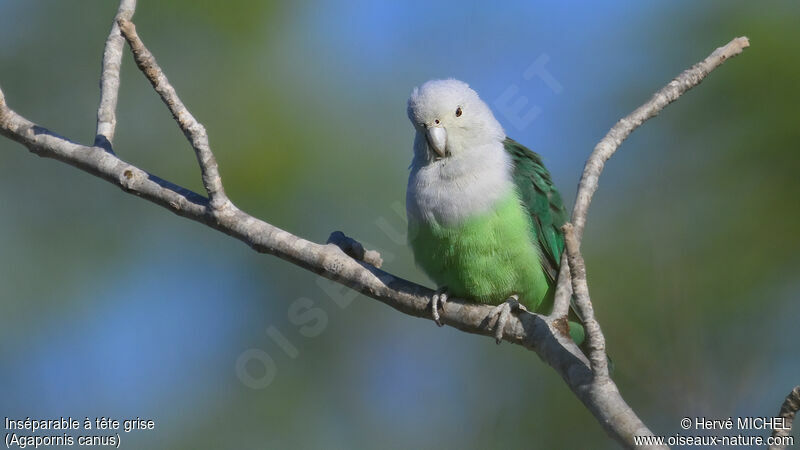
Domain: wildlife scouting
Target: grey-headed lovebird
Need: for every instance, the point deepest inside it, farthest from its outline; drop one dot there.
(484, 217)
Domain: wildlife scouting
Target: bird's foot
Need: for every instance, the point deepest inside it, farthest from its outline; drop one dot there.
(503, 312)
(437, 301)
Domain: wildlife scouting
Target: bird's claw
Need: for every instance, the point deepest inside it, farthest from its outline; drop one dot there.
(503, 312)
(438, 300)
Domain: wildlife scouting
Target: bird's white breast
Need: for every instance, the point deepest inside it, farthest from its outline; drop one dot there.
(450, 190)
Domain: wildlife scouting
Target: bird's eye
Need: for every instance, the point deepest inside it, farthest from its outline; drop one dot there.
(458, 112)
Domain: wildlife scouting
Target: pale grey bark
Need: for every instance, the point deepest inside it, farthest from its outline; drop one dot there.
(354, 249)
(194, 131)
(109, 79)
(355, 267)
(594, 334)
(563, 289)
(604, 149)
(613, 139)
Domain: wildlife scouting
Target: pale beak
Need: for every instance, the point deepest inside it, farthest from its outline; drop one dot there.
(437, 140)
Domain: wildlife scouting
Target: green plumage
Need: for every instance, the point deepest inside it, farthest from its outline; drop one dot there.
(487, 258)
(543, 202)
(514, 248)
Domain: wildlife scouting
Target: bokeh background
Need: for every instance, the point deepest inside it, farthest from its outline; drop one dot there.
(110, 306)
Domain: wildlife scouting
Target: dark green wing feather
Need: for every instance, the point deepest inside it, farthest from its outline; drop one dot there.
(543, 202)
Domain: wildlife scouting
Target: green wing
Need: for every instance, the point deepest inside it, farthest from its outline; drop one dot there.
(543, 202)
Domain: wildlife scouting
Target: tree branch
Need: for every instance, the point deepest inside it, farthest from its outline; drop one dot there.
(788, 410)
(613, 139)
(594, 334)
(610, 143)
(354, 249)
(547, 336)
(563, 289)
(194, 131)
(109, 79)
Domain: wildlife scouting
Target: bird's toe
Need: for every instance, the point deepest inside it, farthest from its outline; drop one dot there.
(437, 301)
(502, 313)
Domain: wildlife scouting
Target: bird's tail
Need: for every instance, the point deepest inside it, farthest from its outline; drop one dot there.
(577, 333)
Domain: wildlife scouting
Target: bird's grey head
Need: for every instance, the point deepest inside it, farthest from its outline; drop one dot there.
(450, 119)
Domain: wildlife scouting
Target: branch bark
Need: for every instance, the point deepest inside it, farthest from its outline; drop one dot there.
(594, 334)
(606, 148)
(194, 131)
(610, 143)
(546, 335)
(109, 79)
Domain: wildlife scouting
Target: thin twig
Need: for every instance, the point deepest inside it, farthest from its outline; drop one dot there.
(788, 410)
(611, 142)
(194, 131)
(109, 79)
(355, 249)
(563, 289)
(594, 334)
